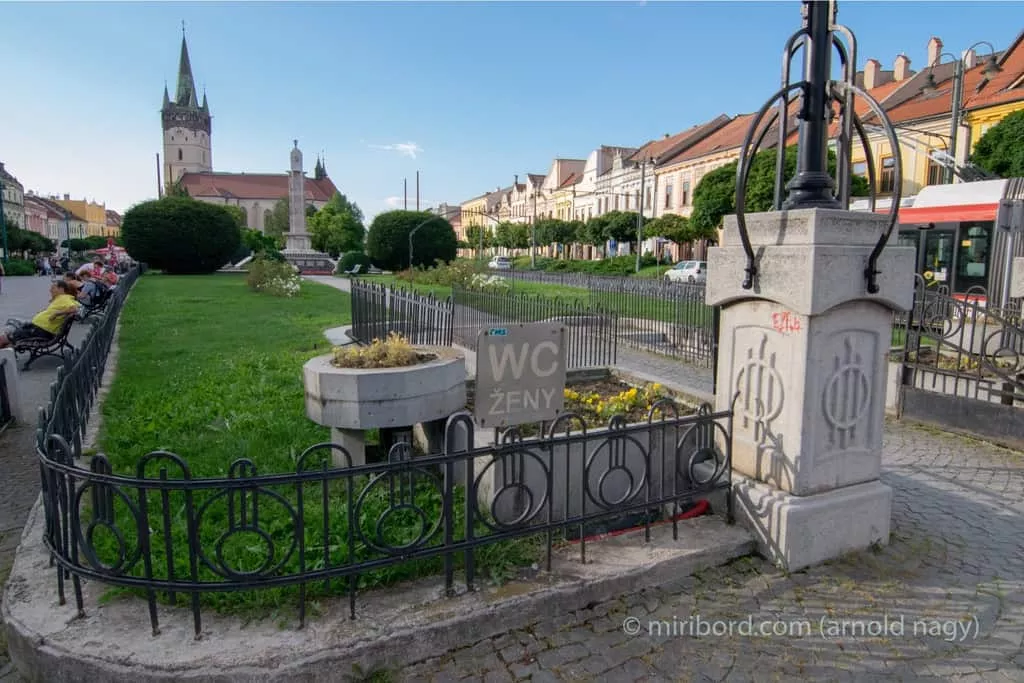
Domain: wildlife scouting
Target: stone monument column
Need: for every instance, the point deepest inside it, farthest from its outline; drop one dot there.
(805, 332)
(298, 249)
(297, 238)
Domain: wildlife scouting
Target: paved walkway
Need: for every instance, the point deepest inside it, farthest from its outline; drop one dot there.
(948, 592)
(22, 298)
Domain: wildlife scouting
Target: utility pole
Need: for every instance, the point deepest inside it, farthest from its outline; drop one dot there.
(640, 213)
(67, 236)
(405, 194)
(159, 187)
(417, 190)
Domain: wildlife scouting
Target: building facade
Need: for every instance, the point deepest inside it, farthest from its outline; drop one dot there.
(94, 214)
(58, 223)
(14, 198)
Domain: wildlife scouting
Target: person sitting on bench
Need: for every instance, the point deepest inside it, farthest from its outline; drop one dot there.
(91, 290)
(47, 322)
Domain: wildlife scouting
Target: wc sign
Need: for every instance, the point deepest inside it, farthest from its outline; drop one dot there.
(520, 374)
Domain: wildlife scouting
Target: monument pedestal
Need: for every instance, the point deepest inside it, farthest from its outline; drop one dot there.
(803, 364)
(299, 252)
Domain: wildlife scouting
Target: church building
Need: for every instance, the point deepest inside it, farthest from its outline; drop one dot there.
(188, 158)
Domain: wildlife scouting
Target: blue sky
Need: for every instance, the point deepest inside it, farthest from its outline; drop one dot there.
(468, 94)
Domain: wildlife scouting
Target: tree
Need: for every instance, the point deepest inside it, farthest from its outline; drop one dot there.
(337, 227)
(176, 189)
(473, 237)
(387, 243)
(239, 216)
(1001, 149)
(276, 224)
(715, 196)
(180, 235)
(555, 231)
(671, 226)
(258, 243)
(614, 225)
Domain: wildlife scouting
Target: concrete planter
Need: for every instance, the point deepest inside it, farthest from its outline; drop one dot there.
(352, 400)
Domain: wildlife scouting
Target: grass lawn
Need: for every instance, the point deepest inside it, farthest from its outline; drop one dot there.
(212, 371)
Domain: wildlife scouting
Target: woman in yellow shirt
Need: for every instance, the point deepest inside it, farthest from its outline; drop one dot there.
(47, 322)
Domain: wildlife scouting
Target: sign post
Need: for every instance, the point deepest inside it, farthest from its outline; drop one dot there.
(520, 374)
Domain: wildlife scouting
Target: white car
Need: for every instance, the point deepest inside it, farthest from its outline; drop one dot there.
(500, 263)
(688, 271)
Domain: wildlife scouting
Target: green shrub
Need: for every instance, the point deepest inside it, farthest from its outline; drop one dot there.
(350, 259)
(17, 266)
(179, 235)
(387, 243)
(455, 274)
(273, 277)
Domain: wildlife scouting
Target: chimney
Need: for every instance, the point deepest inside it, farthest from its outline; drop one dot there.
(872, 69)
(970, 58)
(517, 179)
(934, 50)
(901, 68)
(667, 136)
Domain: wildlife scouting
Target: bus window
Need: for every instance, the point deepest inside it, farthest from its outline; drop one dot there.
(972, 255)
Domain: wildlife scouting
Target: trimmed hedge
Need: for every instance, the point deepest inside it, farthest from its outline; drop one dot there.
(180, 235)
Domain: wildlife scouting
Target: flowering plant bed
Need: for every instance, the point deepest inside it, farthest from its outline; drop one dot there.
(393, 352)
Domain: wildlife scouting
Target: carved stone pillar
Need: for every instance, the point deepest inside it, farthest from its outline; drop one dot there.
(803, 362)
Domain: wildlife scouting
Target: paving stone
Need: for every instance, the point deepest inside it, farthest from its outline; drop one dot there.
(562, 655)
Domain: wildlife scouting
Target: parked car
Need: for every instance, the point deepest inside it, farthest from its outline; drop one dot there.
(500, 263)
(688, 271)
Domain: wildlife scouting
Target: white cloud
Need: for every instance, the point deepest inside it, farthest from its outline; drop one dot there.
(408, 149)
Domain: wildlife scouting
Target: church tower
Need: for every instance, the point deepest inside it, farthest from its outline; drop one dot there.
(186, 124)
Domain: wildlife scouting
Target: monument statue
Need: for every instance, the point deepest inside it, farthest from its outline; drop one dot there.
(298, 249)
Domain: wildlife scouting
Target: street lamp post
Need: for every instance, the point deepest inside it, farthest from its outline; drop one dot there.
(956, 108)
(533, 234)
(67, 236)
(3, 219)
(640, 213)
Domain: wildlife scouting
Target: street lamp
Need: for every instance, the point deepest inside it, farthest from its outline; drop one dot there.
(930, 88)
(3, 218)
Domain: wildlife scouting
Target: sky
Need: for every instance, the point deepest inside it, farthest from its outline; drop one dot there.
(468, 94)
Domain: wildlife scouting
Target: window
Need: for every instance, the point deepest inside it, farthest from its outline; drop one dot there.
(972, 257)
(936, 173)
(887, 178)
(684, 194)
(266, 219)
(860, 168)
(647, 199)
(616, 202)
(668, 195)
(245, 216)
(179, 154)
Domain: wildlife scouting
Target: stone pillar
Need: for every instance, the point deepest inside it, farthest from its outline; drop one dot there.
(803, 361)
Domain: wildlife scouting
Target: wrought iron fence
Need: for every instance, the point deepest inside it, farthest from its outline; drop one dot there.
(592, 339)
(665, 318)
(960, 346)
(332, 527)
(378, 311)
(6, 409)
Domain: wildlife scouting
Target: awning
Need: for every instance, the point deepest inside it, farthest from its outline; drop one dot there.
(947, 214)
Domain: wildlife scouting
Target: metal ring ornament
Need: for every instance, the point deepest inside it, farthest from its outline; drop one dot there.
(743, 171)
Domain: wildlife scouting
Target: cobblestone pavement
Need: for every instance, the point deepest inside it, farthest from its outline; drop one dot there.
(22, 297)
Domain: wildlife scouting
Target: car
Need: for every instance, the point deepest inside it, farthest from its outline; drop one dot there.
(688, 271)
(500, 263)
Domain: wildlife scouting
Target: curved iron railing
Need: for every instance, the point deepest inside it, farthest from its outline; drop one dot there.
(331, 526)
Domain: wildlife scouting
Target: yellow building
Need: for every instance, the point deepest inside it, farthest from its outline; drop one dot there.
(95, 215)
(473, 211)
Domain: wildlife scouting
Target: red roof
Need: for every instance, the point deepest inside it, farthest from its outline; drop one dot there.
(253, 186)
(1000, 89)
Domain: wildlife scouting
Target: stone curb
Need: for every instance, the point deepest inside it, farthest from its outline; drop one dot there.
(340, 336)
(394, 628)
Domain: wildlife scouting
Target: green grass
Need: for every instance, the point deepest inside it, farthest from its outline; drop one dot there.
(213, 372)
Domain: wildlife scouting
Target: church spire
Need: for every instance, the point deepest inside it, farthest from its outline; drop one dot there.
(186, 94)
(167, 97)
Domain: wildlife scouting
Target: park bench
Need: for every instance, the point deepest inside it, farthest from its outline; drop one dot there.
(55, 346)
(354, 271)
(97, 306)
